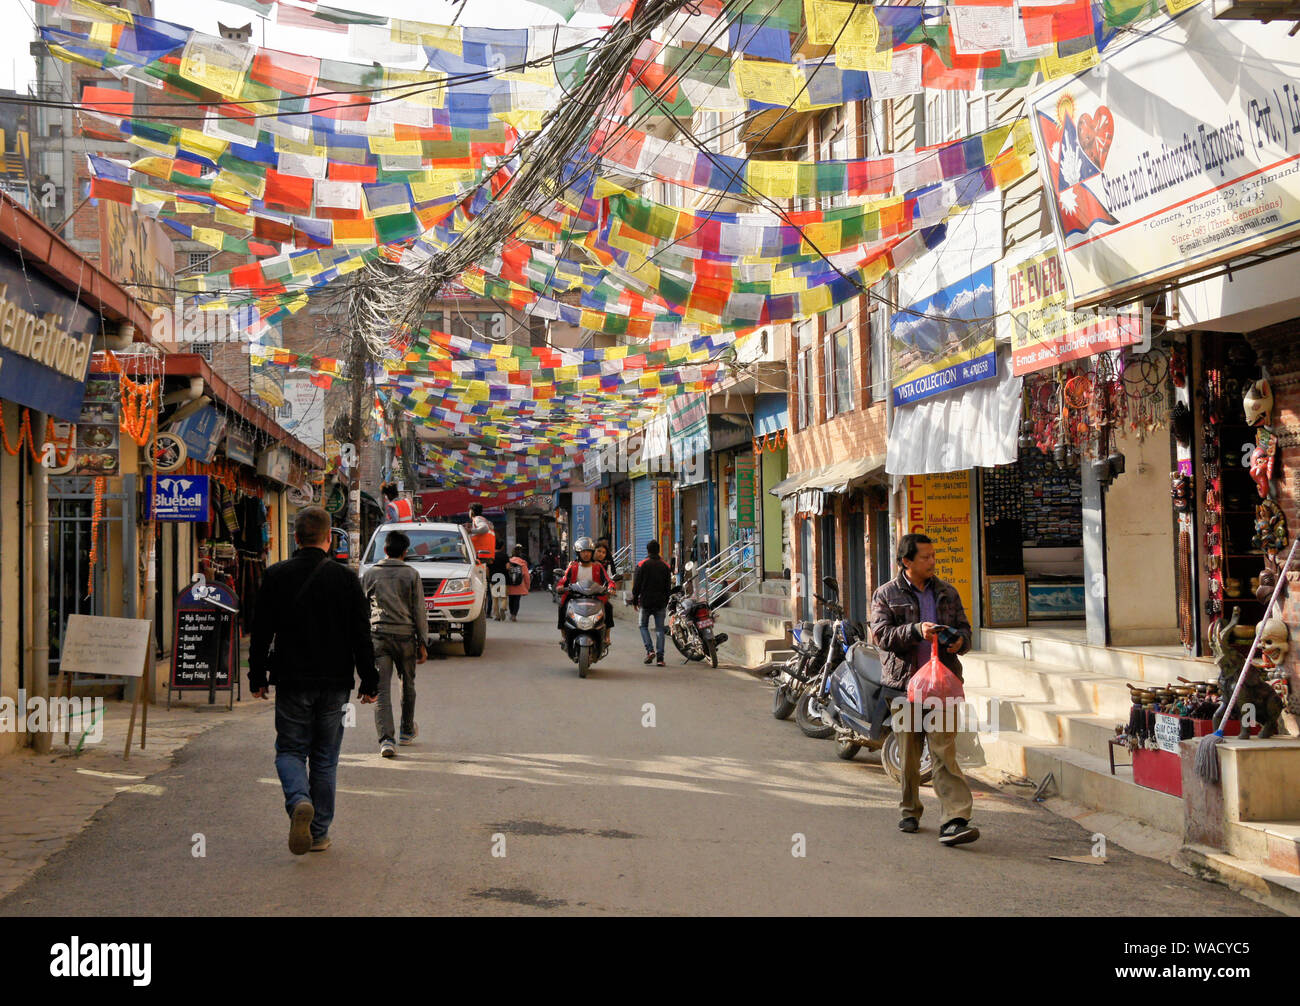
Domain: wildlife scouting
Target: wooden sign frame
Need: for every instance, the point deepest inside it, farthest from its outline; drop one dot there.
(145, 681)
(203, 596)
(993, 618)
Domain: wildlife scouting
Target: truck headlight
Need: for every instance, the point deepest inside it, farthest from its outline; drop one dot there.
(456, 586)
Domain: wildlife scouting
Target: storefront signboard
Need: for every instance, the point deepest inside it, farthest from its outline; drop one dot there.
(940, 506)
(177, 498)
(45, 342)
(944, 341)
(241, 448)
(1034, 317)
(745, 489)
(1181, 151)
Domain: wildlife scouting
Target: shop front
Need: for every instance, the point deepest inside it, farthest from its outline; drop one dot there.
(771, 454)
(56, 309)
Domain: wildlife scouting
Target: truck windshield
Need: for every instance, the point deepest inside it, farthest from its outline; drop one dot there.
(427, 545)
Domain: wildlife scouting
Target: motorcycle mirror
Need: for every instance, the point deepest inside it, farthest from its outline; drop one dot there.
(831, 583)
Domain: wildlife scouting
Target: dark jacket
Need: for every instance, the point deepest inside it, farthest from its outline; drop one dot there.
(320, 637)
(896, 626)
(395, 595)
(651, 584)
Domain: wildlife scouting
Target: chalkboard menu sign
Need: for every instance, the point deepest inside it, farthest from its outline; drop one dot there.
(205, 654)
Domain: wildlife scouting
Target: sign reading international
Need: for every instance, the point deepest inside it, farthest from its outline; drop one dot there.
(1034, 317)
(1183, 152)
(944, 341)
(45, 342)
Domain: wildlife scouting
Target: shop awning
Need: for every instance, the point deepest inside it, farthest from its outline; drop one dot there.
(834, 478)
(975, 427)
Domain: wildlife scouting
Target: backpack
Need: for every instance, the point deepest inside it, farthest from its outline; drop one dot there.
(514, 574)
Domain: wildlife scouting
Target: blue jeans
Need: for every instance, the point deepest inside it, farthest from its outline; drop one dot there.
(309, 728)
(644, 623)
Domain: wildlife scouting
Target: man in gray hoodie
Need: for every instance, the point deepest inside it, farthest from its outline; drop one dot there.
(399, 626)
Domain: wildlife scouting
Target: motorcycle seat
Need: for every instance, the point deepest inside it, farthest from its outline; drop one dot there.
(866, 663)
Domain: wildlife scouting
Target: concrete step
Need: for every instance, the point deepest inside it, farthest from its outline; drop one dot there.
(1276, 888)
(1082, 778)
(1054, 724)
(776, 588)
(763, 604)
(1137, 665)
(769, 626)
(1014, 679)
(750, 649)
(1274, 844)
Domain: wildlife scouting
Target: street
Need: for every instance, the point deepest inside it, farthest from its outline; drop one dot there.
(640, 790)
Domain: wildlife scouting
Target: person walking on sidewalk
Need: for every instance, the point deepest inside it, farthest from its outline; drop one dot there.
(399, 626)
(650, 586)
(519, 580)
(311, 632)
(907, 614)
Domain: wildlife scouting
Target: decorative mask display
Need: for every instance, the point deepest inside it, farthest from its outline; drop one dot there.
(1274, 641)
(1258, 403)
(1270, 528)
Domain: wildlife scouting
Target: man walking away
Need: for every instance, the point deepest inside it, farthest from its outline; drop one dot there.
(311, 631)
(399, 625)
(519, 580)
(650, 586)
(907, 613)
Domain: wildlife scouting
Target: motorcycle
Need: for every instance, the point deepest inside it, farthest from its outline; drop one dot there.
(554, 587)
(810, 711)
(690, 625)
(584, 625)
(798, 672)
(860, 709)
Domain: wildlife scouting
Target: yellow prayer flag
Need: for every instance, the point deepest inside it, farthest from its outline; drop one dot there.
(815, 301)
(208, 236)
(863, 57)
(445, 37)
(1067, 66)
(427, 87)
(202, 144)
(774, 179)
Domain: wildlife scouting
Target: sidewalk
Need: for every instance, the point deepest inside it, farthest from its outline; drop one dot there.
(49, 799)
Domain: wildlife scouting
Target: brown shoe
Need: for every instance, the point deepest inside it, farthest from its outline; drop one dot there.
(300, 827)
(320, 844)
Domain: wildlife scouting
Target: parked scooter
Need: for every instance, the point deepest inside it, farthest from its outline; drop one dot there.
(859, 709)
(690, 626)
(556, 576)
(584, 625)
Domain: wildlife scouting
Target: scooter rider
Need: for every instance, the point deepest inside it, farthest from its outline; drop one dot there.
(583, 568)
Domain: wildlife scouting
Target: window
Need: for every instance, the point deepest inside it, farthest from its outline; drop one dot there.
(838, 368)
(942, 117)
(427, 545)
(803, 372)
(879, 336)
(200, 261)
(710, 132)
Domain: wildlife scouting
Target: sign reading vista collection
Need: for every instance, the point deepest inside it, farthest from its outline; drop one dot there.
(1183, 151)
(45, 342)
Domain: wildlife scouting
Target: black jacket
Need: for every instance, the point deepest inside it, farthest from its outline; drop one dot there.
(896, 626)
(651, 584)
(321, 633)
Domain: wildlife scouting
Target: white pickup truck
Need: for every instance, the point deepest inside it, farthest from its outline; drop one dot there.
(455, 583)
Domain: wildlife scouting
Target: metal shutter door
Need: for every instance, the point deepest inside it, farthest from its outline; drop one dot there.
(643, 517)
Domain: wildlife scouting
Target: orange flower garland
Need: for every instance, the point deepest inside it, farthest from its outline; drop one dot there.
(25, 435)
(97, 515)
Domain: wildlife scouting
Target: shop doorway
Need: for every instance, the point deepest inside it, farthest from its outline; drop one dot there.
(805, 585)
(856, 558)
(1032, 516)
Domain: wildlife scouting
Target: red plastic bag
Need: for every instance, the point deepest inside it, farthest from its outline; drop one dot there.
(934, 680)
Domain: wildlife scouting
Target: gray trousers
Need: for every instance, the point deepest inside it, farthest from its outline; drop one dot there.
(394, 652)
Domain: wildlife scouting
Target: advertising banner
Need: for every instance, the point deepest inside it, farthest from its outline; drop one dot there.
(1043, 331)
(939, 506)
(1182, 151)
(98, 447)
(201, 431)
(944, 341)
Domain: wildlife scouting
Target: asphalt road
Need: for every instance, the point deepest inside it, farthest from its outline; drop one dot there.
(531, 791)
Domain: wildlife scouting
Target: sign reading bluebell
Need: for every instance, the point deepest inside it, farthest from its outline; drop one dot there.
(177, 498)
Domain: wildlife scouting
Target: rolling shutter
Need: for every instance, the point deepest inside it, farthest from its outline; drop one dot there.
(643, 516)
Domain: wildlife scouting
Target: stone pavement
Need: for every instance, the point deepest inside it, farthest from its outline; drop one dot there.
(50, 799)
